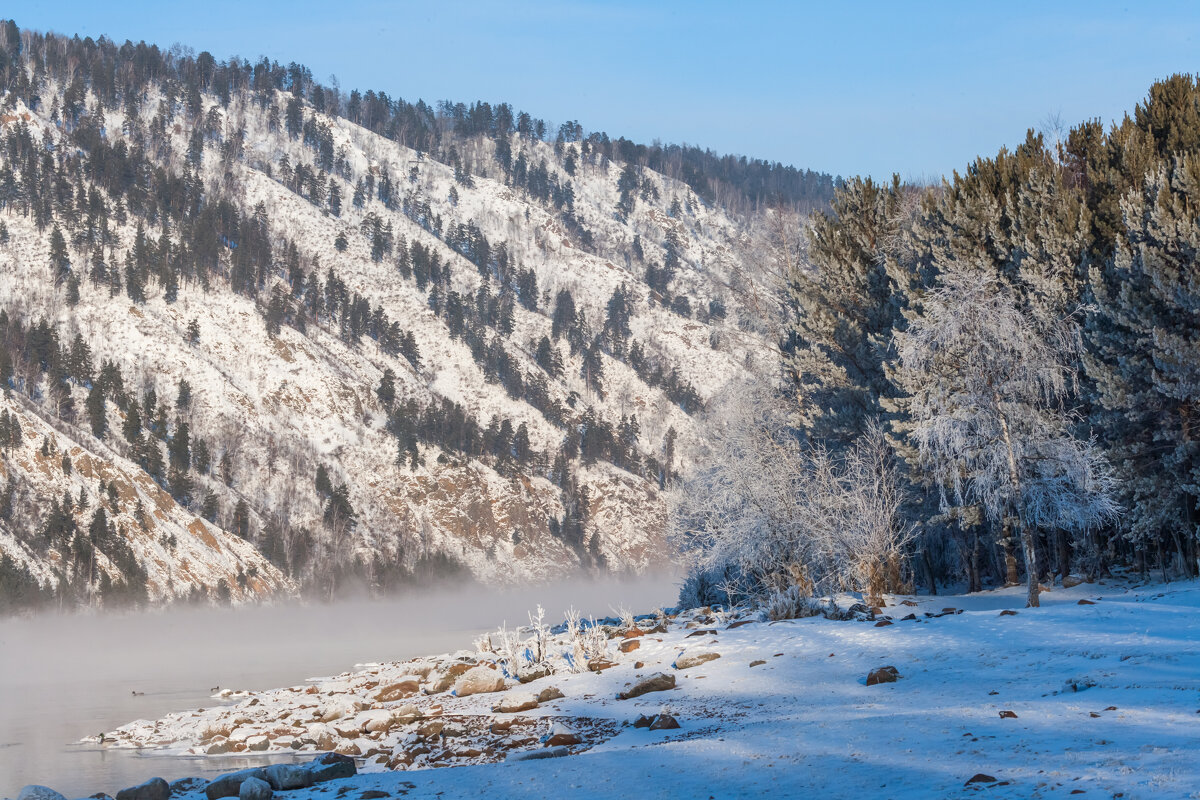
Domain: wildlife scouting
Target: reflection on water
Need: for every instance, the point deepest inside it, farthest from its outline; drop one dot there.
(64, 677)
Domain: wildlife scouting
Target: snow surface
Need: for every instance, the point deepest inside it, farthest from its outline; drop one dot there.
(1105, 697)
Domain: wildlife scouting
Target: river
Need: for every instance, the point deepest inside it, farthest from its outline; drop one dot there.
(67, 676)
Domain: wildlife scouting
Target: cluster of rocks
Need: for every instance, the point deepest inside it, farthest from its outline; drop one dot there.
(656, 722)
(259, 783)
(419, 713)
(455, 709)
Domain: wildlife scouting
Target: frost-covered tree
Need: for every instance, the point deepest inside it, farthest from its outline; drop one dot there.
(769, 515)
(986, 381)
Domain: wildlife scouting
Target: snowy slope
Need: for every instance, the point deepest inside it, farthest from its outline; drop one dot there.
(179, 551)
(1102, 695)
(284, 404)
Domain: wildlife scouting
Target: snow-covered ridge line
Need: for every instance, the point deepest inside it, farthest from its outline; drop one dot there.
(281, 405)
(1090, 692)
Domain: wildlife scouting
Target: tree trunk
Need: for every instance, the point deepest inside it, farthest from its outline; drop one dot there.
(1064, 554)
(976, 581)
(1012, 576)
(1101, 559)
(1031, 565)
(1183, 562)
(929, 571)
(1031, 562)
(1191, 568)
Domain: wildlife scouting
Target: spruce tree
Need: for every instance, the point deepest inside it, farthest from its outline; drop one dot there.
(96, 412)
(843, 307)
(60, 261)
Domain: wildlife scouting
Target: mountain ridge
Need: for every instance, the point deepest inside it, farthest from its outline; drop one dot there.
(491, 357)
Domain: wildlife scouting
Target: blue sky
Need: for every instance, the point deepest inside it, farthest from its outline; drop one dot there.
(848, 88)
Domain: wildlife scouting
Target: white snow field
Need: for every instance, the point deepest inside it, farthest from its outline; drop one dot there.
(1102, 682)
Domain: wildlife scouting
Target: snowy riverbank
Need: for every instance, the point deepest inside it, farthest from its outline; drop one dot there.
(1089, 700)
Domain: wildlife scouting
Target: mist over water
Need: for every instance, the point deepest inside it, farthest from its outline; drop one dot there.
(66, 676)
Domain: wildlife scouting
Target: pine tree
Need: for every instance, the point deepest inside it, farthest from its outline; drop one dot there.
(60, 261)
(335, 199)
(131, 428)
(241, 520)
(387, 388)
(210, 507)
(96, 412)
(1147, 344)
(843, 307)
(180, 448)
(564, 315)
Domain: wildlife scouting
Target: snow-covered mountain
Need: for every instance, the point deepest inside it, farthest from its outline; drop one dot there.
(486, 357)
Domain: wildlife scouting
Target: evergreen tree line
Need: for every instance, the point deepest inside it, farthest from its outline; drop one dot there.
(119, 75)
(1026, 334)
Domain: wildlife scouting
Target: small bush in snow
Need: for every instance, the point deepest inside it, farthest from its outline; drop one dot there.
(791, 603)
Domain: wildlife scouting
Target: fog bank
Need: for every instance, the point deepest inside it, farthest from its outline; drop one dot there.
(66, 676)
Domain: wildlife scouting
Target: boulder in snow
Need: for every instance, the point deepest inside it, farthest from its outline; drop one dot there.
(549, 693)
(445, 679)
(153, 789)
(535, 675)
(219, 746)
(687, 660)
(514, 702)
(332, 766)
(255, 789)
(230, 784)
(561, 736)
(405, 714)
(887, 674)
(478, 680)
(283, 777)
(35, 792)
(658, 682)
(398, 690)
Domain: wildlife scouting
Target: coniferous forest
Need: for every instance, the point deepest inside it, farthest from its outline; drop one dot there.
(1011, 355)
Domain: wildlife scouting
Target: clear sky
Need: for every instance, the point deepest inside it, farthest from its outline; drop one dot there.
(843, 87)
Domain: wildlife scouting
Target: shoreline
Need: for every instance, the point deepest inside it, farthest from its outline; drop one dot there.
(790, 698)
